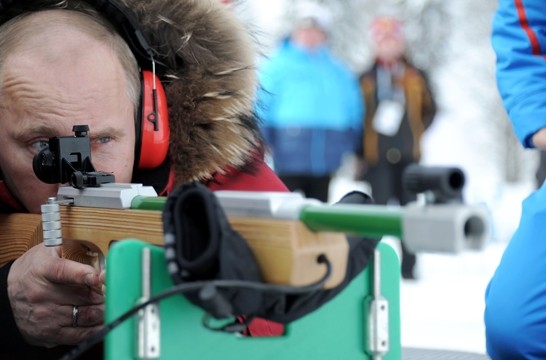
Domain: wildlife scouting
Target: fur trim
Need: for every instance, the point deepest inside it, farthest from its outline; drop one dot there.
(209, 80)
(210, 83)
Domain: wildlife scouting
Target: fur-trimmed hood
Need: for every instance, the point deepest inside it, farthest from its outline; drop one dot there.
(209, 80)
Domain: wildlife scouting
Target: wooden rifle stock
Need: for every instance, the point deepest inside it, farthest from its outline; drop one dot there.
(286, 250)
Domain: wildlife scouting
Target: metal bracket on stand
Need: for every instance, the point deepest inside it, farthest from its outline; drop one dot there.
(378, 315)
(148, 322)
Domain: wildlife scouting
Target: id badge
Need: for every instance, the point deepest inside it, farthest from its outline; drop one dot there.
(388, 117)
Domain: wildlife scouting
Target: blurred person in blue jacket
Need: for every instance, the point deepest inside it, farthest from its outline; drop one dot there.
(311, 106)
(515, 309)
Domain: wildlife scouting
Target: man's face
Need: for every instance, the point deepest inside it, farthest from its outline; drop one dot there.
(51, 83)
(389, 48)
(309, 37)
(388, 39)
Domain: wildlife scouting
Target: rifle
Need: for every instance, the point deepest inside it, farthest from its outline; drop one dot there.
(285, 231)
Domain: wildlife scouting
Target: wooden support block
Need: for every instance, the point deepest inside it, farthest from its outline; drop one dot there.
(287, 250)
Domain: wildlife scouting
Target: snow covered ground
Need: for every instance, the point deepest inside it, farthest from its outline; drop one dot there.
(443, 308)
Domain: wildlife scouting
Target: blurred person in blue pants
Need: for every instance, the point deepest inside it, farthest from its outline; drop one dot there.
(311, 106)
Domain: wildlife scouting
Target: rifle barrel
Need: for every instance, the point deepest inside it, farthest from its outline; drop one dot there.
(363, 220)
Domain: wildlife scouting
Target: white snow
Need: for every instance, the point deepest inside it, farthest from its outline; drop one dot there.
(443, 309)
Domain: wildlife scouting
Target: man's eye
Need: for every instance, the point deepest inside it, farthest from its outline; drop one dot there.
(39, 145)
(102, 140)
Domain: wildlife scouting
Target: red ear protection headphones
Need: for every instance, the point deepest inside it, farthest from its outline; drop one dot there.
(152, 125)
(152, 131)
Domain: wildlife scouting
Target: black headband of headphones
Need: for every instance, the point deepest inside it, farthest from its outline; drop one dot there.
(110, 9)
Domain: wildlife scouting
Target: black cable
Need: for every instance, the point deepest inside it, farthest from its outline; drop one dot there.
(186, 287)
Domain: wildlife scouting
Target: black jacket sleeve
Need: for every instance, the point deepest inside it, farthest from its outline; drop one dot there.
(10, 337)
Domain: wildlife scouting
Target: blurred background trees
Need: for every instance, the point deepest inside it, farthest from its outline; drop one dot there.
(451, 41)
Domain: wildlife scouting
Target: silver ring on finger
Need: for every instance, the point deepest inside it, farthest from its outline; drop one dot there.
(75, 311)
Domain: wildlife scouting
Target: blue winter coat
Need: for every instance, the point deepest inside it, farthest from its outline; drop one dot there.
(519, 40)
(312, 110)
(515, 313)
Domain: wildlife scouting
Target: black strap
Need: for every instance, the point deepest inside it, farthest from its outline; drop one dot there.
(10, 337)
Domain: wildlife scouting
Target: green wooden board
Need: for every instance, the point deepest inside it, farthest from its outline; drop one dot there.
(337, 330)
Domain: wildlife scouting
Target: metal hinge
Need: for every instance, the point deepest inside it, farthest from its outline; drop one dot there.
(378, 315)
(148, 322)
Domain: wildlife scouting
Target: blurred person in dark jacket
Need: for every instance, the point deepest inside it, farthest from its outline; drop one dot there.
(399, 108)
